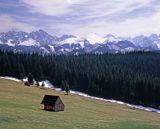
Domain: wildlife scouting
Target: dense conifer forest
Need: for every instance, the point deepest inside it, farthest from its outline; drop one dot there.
(132, 77)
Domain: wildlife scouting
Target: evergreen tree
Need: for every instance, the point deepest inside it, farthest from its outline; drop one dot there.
(67, 89)
(30, 79)
(63, 86)
(43, 85)
(131, 77)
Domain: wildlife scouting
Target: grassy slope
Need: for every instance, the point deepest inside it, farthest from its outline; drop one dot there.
(20, 109)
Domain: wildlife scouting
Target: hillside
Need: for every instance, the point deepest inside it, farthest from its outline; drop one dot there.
(20, 108)
(132, 77)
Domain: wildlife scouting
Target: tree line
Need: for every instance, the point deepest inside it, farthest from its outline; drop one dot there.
(132, 77)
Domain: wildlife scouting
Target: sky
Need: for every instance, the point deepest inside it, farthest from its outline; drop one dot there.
(81, 17)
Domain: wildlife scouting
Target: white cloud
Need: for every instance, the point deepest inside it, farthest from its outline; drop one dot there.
(101, 24)
(130, 27)
(103, 8)
(52, 7)
(8, 23)
(75, 1)
(81, 17)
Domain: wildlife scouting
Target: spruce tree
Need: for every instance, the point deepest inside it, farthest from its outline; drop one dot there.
(67, 89)
(30, 79)
(63, 85)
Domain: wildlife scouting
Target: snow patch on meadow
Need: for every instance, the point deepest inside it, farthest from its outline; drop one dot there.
(47, 84)
(11, 78)
(149, 109)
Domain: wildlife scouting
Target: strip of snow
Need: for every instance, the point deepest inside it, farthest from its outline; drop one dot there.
(24, 79)
(129, 49)
(29, 42)
(115, 47)
(52, 48)
(73, 40)
(44, 50)
(94, 38)
(26, 36)
(1, 42)
(11, 78)
(47, 84)
(157, 43)
(10, 43)
(149, 109)
(111, 38)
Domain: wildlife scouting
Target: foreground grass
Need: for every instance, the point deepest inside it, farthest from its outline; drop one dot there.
(20, 109)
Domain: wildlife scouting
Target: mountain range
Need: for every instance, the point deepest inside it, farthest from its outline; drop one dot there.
(42, 42)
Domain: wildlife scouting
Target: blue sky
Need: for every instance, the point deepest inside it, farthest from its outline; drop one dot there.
(81, 17)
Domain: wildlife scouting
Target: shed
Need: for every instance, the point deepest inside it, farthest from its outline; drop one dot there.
(52, 103)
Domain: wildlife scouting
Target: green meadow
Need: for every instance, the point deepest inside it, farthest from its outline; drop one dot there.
(20, 108)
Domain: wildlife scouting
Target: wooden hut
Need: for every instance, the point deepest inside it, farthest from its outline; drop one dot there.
(52, 103)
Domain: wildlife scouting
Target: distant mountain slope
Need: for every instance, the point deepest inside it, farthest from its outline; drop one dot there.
(42, 42)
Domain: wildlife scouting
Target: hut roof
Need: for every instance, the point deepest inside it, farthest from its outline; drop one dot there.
(49, 99)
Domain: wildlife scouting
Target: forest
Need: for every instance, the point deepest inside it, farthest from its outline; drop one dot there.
(131, 77)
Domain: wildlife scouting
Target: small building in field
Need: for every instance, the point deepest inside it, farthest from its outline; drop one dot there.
(52, 103)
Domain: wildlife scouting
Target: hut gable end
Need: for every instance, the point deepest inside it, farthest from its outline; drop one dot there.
(59, 101)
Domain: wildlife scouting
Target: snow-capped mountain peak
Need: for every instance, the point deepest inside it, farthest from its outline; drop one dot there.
(73, 40)
(42, 42)
(94, 38)
(152, 41)
(64, 37)
(111, 38)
